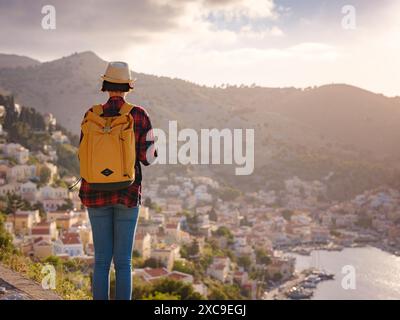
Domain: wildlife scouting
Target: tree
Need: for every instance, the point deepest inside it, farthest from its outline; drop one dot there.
(39, 206)
(147, 202)
(44, 175)
(59, 183)
(287, 214)
(229, 194)
(135, 254)
(180, 288)
(153, 263)
(219, 291)
(245, 222)
(137, 262)
(5, 238)
(67, 158)
(53, 260)
(192, 221)
(67, 205)
(162, 296)
(217, 294)
(213, 215)
(224, 232)
(277, 277)
(262, 257)
(184, 251)
(184, 266)
(194, 248)
(244, 261)
(15, 202)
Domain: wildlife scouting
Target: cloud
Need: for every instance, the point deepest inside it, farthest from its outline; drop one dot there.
(274, 43)
(81, 25)
(248, 32)
(236, 9)
(110, 27)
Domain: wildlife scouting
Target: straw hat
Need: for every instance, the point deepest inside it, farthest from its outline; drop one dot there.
(118, 72)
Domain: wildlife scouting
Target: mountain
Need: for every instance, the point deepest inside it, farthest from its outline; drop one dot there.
(340, 113)
(329, 122)
(15, 61)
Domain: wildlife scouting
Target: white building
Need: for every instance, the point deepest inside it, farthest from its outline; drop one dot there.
(59, 137)
(220, 269)
(45, 230)
(22, 172)
(52, 204)
(52, 197)
(11, 188)
(69, 243)
(28, 191)
(17, 151)
(143, 244)
(166, 255)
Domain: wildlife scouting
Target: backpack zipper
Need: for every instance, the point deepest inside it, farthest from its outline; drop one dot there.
(123, 153)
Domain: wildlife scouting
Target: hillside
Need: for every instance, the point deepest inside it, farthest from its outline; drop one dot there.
(308, 132)
(27, 126)
(16, 61)
(338, 113)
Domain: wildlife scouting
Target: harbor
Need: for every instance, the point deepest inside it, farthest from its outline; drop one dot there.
(376, 272)
(301, 287)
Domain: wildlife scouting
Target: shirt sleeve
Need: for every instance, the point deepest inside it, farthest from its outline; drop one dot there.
(147, 151)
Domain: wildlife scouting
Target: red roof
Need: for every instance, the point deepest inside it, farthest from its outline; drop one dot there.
(18, 215)
(45, 242)
(177, 276)
(156, 272)
(139, 236)
(42, 224)
(77, 224)
(20, 212)
(247, 285)
(219, 266)
(71, 238)
(36, 231)
(38, 239)
(59, 212)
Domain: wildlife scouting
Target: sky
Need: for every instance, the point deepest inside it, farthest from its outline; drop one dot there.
(274, 43)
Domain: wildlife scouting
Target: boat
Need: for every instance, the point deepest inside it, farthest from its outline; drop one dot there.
(309, 285)
(297, 293)
(315, 278)
(323, 275)
(303, 251)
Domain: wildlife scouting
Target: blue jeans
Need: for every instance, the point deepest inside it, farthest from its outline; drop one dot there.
(113, 229)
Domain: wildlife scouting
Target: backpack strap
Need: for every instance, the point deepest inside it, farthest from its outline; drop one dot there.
(93, 114)
(98, 109)
(126, 108)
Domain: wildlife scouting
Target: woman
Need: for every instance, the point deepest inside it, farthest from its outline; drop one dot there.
(113, 214)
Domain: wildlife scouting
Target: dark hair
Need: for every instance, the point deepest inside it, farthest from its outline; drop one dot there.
(110, 86)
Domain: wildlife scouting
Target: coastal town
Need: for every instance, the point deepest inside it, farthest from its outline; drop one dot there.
(241, 239)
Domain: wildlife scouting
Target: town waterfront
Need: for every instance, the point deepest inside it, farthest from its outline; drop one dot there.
(377, 273)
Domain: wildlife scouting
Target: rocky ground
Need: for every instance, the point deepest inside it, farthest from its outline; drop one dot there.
(12, 293)
(18, 287)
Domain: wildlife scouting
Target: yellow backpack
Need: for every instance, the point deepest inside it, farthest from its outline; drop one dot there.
(107, 152)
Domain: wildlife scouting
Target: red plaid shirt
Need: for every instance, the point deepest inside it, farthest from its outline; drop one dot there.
(130, 196)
